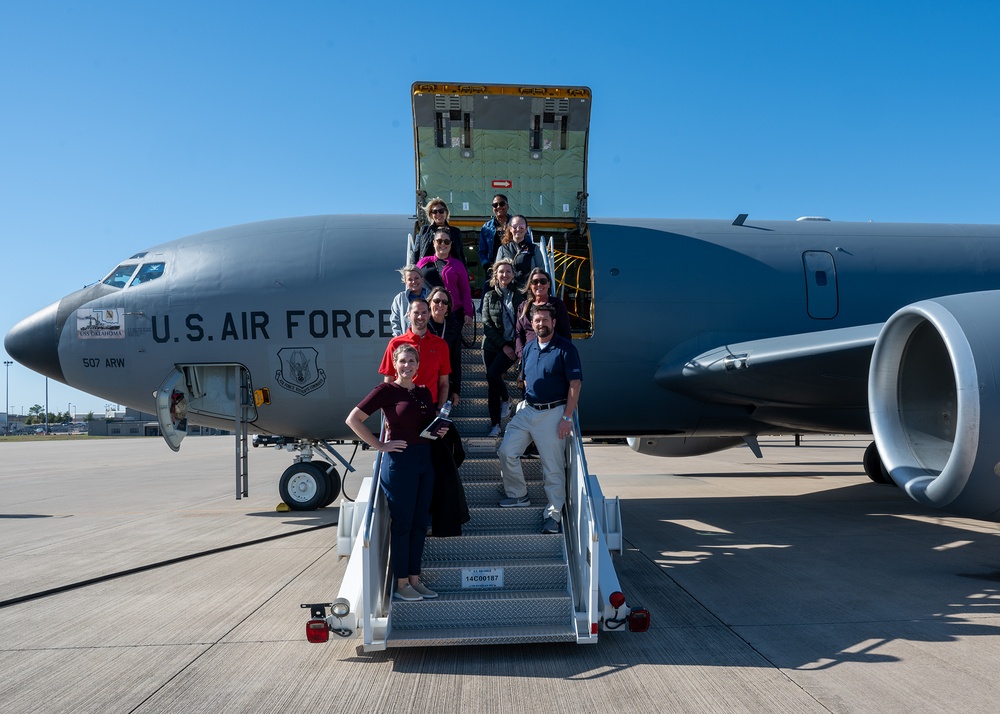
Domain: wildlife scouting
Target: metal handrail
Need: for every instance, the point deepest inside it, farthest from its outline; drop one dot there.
(547, 260)
(370, 508)
(375, 560)
(582, 533)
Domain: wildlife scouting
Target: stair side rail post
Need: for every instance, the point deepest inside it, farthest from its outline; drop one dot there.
(582, 539)
(375, 561)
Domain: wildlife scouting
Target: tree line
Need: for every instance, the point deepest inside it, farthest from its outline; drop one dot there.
(36, 415)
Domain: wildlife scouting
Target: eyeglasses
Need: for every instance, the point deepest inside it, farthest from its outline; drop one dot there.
(499, 204)
(438, 210)
(539, 281)
(441, 301)
(442, 241)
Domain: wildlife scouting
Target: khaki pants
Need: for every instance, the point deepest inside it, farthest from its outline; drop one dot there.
(540, 426)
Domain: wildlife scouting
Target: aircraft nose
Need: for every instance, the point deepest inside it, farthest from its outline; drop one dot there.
(34, 342)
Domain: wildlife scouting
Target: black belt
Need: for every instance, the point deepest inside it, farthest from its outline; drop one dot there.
(548, 405)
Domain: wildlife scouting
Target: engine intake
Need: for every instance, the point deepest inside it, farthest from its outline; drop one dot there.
(933, 402)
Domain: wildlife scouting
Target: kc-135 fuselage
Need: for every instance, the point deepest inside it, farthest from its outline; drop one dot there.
(693, 333)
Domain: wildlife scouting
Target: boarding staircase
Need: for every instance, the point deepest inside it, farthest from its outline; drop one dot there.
(502, 580)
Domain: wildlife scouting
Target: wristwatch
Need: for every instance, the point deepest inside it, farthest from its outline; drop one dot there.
(566, 418)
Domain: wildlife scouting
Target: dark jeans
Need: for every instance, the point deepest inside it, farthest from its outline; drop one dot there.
(408, 482)
(497, 364)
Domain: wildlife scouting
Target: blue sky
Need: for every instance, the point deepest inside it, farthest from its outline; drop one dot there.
(127, 124)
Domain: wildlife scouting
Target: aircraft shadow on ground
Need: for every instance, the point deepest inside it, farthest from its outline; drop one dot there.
(799, 582)
(321, 517)
(815, 580)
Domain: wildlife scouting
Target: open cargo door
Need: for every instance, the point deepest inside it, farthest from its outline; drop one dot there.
(217, 392)
(526, 142)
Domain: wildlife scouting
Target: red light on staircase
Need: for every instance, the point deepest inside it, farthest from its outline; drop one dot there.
(317, 631)
(638, 620)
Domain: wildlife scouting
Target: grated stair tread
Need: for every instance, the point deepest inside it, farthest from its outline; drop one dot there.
(504, 520)
(485, 608)
(494, 563)
(407, 637)
(485, 546)
(538, 574)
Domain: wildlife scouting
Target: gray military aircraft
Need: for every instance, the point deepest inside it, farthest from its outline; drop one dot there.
(696, 335)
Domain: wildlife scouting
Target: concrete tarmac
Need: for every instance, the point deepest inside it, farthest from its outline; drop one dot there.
(786, 584)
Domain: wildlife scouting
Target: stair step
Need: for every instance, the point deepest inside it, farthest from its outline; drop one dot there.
(482, 547)
(476, 427)
(504, 520)
(485, 494)
(481, 446)
(485, 608)
(446, 576)
(487, 468)
(405, 637)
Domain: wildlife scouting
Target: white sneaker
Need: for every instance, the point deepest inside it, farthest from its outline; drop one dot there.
(505, 411)
(407, 593)
(424, 591)
(494, 432)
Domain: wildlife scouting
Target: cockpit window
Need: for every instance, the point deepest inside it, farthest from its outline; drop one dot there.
(120, 276)
(149, 271)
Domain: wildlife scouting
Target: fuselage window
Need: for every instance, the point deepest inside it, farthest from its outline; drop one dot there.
(120, 276)
(149, 271)
(821, 277)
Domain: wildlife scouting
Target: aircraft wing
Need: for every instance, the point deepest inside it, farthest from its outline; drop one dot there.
(827, 369)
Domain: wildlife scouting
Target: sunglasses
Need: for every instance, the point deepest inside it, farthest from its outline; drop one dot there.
(442, 241)
(540, 281)
(438, 210)
(439, 301)
(499, 204)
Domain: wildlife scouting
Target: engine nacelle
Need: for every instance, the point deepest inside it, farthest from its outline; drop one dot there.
(934, 403)
(681, 445)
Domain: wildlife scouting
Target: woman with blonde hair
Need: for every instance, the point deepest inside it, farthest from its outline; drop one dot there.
(500, 308)
(399, 312)
(437, 215)
(407, 475)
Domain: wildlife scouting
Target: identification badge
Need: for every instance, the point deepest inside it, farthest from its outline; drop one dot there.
(479, 578)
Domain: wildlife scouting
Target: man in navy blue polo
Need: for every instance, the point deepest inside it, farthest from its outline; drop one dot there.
(553, 377)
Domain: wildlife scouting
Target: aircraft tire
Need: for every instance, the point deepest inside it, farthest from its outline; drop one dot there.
(303, 486)
(874, 468)
(332, 483)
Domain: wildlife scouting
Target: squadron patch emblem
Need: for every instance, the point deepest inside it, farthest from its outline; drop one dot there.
(299, 372)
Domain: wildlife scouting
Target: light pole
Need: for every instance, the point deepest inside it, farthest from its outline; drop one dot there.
(6, 425)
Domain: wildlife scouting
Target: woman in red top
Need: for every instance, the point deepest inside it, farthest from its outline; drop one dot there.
(407, 475)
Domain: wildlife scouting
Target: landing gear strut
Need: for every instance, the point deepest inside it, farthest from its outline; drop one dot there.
(307, 484)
